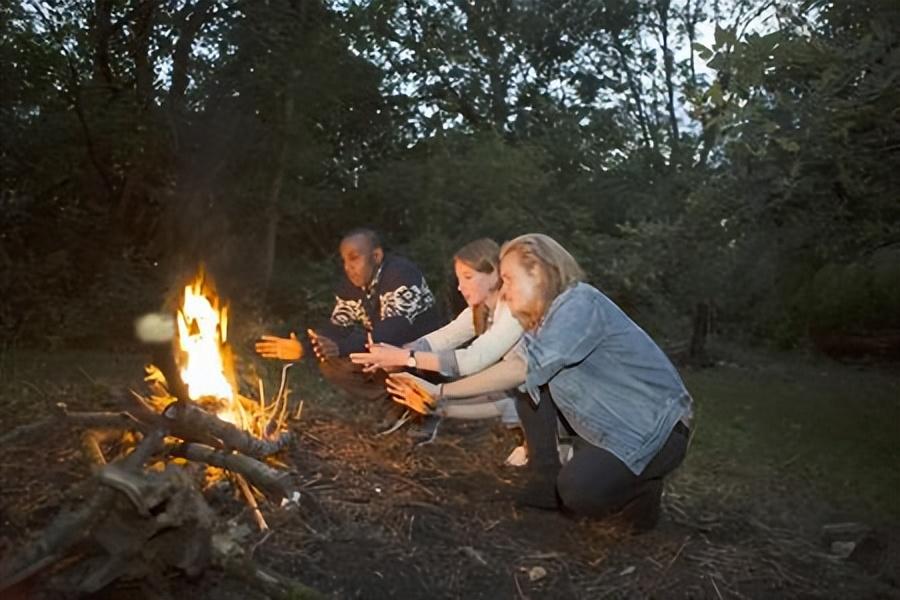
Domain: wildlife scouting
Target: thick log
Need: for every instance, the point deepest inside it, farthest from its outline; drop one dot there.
(171, 529)
(274, 483)
(164, 359)
(191, 423)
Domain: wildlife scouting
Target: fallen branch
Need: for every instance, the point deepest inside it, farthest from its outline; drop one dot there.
(91, 420)
(27, 429)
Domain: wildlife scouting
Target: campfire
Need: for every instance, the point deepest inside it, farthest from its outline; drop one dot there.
(205, 366)
(189, 430)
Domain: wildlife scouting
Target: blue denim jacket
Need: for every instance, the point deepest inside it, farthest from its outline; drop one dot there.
(611, 382)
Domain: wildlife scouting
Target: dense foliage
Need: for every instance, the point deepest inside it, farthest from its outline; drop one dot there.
(741, 153)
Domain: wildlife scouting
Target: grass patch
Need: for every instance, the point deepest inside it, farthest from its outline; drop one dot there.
(832, 427)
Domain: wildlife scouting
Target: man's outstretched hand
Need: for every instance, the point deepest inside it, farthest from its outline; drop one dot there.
(287, 349)
(324, 347)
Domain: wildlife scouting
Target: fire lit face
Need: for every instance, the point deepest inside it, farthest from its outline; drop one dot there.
(360, 259)
(474, 285)
(521, 290)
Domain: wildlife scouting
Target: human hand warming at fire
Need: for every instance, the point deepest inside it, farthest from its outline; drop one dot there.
(324, 347)
(414, 392)
(287, 349)
(380, 356)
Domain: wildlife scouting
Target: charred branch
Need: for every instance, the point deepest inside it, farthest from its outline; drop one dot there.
(274, 483)
(190, 422)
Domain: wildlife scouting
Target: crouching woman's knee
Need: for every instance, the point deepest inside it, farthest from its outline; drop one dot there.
(580, 497)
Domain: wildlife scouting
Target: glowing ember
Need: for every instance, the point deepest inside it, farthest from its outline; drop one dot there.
(202, 333)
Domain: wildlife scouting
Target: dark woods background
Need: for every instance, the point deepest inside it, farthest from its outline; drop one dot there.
(758, 172)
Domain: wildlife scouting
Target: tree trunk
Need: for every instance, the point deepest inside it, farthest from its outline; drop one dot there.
(191, 19)
(662, 11)
(272, 211)
(139, 46)
(100, 34)
(636, 92)
(702, 327)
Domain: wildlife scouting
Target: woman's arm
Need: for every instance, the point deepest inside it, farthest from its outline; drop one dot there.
(454, 334)
(385, 356)
(504, 375)
(424, 396)
(486, 350)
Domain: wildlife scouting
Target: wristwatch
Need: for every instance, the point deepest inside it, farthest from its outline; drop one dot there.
(411, 361)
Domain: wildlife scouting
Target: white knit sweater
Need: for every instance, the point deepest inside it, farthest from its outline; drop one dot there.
(503, 332)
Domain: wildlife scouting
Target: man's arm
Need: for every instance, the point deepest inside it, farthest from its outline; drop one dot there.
(347, 325)
(402, 305)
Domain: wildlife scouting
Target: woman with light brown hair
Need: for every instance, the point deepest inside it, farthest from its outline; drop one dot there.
(486, 322)
(588, 368)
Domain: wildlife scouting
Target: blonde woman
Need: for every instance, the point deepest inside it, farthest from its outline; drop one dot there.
(588, 366)
(486, 322)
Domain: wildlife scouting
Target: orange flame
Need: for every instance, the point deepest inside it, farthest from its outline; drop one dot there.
(202, 334)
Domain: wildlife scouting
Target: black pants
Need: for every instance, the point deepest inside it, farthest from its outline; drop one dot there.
(594, 482)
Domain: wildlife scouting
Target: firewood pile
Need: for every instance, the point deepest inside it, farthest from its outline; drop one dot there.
(144, 512)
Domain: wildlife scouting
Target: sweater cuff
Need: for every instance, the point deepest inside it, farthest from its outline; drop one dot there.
(419, 345)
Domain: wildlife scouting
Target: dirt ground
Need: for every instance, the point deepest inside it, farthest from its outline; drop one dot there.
(381, 519)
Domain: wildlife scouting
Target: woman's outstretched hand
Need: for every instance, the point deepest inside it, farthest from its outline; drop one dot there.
(413, 392)
(380, 356)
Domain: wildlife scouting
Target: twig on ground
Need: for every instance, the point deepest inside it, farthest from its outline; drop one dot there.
(260, 542)
(519, 588)
(715, 587)
(90, 379)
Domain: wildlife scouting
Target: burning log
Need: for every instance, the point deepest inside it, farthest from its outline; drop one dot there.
(276, 484)
(187, 418)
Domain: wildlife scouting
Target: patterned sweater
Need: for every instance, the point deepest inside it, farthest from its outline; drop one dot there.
(397, 307)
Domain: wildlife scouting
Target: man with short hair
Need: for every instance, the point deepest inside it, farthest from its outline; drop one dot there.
(382, 297)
